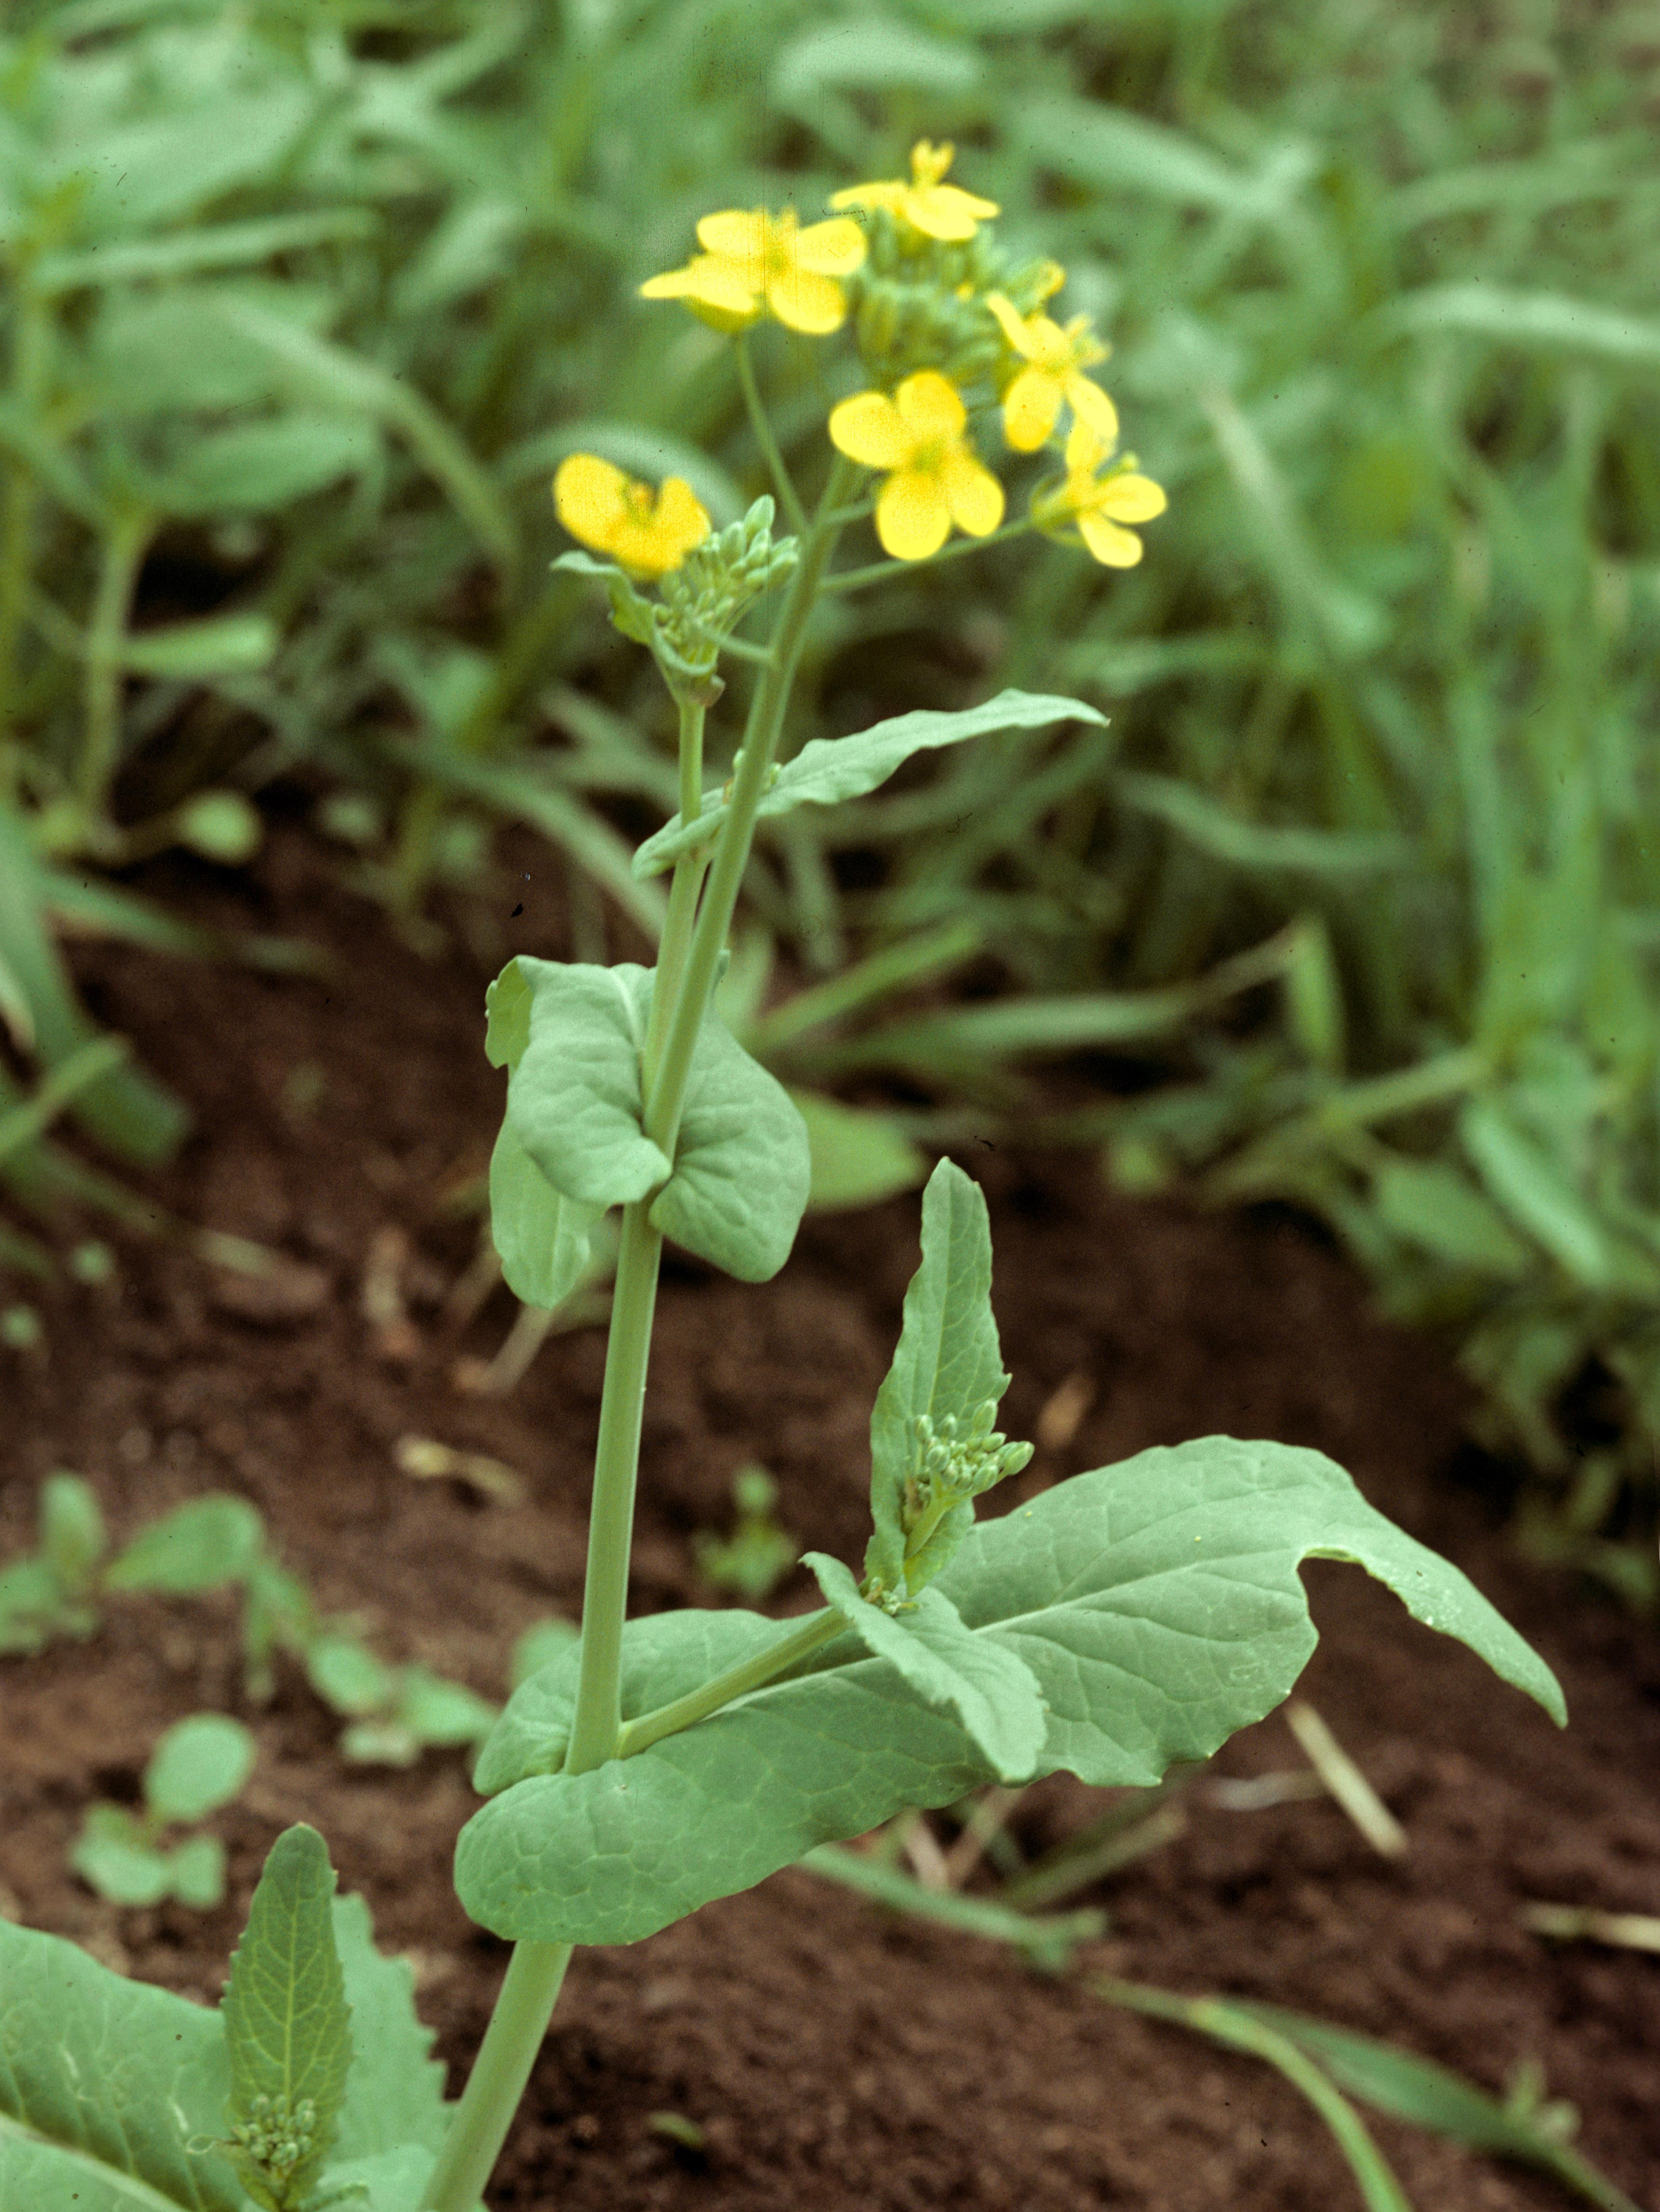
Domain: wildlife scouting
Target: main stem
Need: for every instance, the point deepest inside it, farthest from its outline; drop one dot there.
(685, 973)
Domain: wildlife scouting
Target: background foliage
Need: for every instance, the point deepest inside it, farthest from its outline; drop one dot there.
(1356, 904)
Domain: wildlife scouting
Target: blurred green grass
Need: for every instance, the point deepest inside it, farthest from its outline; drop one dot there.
(305, 299)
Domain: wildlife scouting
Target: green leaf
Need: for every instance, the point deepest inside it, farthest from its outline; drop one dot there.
(73, 1538)
(175, 349)
(220, 826)
(190, 653)
(288, 2025)
(198, 1765)
(1408, 2088)
(198, 1547)
(998, 1704)
(1158, 1602)
(159, 2066)
(32, 1607)
(395, 2090)
(441, 1712)
(111, 1852)
(254, 466)
(196, 1873)
(870, 56)
(615, 1854)
(1262, 845)
(1533, 1190)
(630, 612)
(1432, 1204)
(538, 1645)
(543, 1239)
(858, 1156)
(742, 1165)
(829, 769)
(155, 167)
(573, 1096)
(947, 1361)
(346, 1674)
(738, 1184)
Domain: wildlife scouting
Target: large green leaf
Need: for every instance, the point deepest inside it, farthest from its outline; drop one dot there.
(200, 1546)
(288, 2025)
(947, 1362)
(395, 2090)
(615, 1854)
(1157, 1604)
(254, 466)
(829, 769)
(992, 1692)
(573, 1035)
(103, 2082)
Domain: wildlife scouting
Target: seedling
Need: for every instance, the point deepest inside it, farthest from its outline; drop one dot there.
(395, 1712)
(49, 1591)
(1120, 1622)
(759, 1554)
(197, 1766)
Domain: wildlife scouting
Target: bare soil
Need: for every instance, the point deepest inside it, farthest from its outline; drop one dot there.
(833, 2056)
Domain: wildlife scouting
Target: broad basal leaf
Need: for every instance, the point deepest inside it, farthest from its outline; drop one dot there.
(829, 769)
(947, 1361)
(947, 1665)
(288, 2025)
(103, 2082)
(198, 1547)
(1159, 1603)
(615, 1854)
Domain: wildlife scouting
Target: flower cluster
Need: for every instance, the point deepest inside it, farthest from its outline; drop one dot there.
(277, 2138)
(951, 1462)
(940, 318)
(704, 596)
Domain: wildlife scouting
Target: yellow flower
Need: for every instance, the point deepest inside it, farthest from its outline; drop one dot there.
(941, 210)
(1098, 505)
(934, 478)
(647, 533)
(1056, 357)
(753, 258)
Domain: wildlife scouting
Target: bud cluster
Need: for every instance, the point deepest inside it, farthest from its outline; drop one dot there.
(710, 589)
(952, 1462)
(278, 2136)
(920, 303)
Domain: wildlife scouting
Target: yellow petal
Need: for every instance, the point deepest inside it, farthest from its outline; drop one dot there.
(740, 233)
(930, 405)
(1131, 498)
(588, 497)
(868, 428)
(713, 279)
(913, 515)
(806, 302)
(1084, 450)
(929, 162)
(831, 249)
(944, 212)
(975, 496)
(1115, 547)
(1014, 329)
(1029, 407)
(1091, 405)
(681, 516)
(889, 195)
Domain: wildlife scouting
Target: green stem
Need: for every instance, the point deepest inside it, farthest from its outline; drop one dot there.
(796, 513)
(124, 554)
(689, 873)
(737, 1681)
(667, 1094)
(849, 578)
(480, 2125)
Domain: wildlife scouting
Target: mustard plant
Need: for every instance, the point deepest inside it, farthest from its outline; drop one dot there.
(1124, 1621)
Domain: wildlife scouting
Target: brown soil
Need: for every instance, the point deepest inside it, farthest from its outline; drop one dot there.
(834, 2056)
